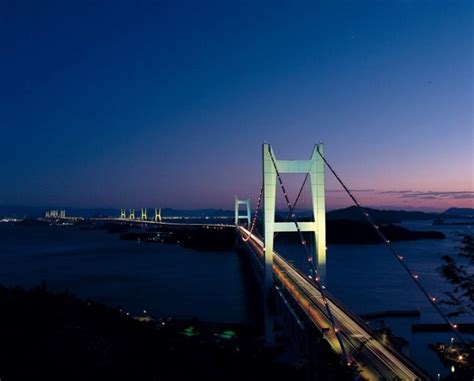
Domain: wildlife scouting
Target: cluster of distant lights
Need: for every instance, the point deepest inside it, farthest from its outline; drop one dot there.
(193, 218)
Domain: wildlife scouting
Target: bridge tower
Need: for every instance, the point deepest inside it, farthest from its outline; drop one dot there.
(143, 214)
(247, 215)
(131, 215)
(123, 216)
(157, 215)
(315, 167)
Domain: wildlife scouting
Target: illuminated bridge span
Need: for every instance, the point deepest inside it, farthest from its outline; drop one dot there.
(137, 222)
(375, 360)
(305, 294)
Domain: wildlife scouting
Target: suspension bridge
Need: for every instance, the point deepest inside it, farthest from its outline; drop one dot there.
(302, 298)
(305, 294)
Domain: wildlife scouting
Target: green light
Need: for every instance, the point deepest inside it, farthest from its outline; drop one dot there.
(190, 331)
(228, 334)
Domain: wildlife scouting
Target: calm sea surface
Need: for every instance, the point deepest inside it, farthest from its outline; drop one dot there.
(169, 280)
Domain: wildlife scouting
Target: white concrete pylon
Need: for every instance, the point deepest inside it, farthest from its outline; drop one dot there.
(131, 215)
(315, 167)
(157, 215)
(123, 216)
(247, 215)
(143, 216)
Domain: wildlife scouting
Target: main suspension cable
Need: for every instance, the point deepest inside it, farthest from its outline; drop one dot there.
(315, 278)
(414, 276)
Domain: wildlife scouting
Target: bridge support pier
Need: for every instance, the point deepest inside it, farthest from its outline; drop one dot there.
(131, 214)
(143, 216)
(122, 214)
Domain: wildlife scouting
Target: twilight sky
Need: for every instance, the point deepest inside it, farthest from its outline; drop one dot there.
(116, 104)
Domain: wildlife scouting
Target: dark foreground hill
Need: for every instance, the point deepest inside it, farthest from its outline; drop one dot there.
(45, 336)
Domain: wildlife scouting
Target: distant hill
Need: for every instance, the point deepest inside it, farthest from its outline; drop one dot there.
(380, 216)
(356, 232)
(168, 212)
(459, 212)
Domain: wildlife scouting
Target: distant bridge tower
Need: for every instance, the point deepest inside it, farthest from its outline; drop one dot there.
(315, 167)
(157, 215)
(131, 215)
(143, 216)
(123, 216)
(245, 216)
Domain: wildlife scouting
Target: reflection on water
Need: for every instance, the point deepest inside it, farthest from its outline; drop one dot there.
(166, 280)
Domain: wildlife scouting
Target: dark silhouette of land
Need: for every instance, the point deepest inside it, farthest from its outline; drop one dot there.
(56, 336)
(353, 213)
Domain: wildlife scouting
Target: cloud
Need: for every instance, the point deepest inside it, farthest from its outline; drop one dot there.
(352, 190)
(431, 195)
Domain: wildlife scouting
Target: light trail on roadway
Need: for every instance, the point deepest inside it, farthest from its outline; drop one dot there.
(375, 360)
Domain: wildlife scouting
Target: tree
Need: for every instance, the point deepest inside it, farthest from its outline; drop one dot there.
(461, 298)
(461, 276)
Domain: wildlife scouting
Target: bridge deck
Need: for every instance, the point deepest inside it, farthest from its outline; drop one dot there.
(161, 223)
(375, 360)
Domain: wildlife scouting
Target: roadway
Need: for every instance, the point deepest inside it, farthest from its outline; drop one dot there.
(375, 360)
(151, 222)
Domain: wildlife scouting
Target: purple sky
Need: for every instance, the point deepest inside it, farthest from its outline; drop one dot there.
(167, 105)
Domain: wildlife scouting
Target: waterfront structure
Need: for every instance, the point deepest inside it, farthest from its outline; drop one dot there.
(55, 213)
(143, 216)
(131, 215)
